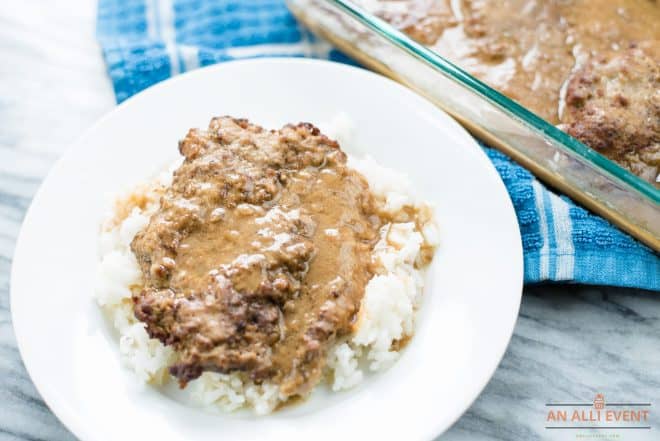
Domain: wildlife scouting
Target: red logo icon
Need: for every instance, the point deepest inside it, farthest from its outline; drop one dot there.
(599, 402)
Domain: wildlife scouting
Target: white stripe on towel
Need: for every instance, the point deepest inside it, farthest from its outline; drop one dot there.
(150, 16)
(190, 55)
(160, 25)
(563, 227)
(544, 258)
(168, 33)
(308, 49)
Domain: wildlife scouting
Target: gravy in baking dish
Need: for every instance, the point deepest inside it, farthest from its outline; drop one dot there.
(590, 65)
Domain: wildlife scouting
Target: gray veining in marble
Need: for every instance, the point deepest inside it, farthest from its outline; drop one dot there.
(569, 342)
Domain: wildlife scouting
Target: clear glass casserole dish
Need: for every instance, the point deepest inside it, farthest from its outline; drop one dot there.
(556, 158)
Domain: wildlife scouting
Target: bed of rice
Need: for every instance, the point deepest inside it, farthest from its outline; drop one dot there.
(386, 315)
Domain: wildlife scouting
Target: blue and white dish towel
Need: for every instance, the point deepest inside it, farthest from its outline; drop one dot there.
(146, 41)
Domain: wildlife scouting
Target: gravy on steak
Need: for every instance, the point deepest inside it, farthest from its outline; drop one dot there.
(257, 259)
(542, 52)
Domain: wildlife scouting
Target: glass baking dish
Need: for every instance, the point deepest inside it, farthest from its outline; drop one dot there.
(556, 158)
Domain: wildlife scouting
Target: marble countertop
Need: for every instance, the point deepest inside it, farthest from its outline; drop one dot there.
(569, 342)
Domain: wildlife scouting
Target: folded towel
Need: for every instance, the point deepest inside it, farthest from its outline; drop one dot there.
(146, 41)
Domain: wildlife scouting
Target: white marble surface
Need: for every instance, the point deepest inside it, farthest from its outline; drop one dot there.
(569, 342)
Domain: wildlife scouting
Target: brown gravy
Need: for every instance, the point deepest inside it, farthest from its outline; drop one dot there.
(257, 258)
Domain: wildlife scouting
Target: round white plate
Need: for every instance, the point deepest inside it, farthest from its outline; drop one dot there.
(471, 298)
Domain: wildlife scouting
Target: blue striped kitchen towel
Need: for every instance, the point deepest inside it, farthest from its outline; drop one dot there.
(146, 41)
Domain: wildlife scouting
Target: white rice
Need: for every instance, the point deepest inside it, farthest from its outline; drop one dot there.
(386, 315)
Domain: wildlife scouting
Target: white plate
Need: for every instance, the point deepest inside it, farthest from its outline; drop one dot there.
(471, 300)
